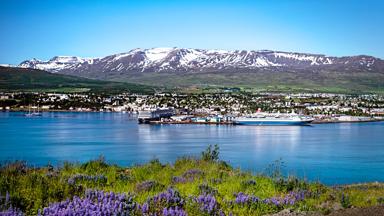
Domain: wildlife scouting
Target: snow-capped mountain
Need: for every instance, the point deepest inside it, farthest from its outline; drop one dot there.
(199, 60)
(56, 64)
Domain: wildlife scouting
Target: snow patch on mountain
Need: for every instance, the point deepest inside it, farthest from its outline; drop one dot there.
(157, 54)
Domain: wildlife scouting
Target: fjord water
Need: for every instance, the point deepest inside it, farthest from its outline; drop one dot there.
(332, 153)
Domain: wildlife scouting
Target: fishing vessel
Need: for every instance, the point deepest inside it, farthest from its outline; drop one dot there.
(273, 119)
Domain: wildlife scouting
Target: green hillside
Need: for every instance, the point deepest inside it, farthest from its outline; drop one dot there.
(280, 81)
(23, 79)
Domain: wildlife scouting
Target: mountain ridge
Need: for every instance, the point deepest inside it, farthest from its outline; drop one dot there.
(180, 59)
(265, 69)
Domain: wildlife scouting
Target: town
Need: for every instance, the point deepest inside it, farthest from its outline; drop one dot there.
(212, 108)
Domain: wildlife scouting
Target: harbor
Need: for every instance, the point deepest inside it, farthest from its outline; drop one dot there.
(168, 116)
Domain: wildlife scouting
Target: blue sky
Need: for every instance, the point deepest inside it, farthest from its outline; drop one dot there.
(91, 28)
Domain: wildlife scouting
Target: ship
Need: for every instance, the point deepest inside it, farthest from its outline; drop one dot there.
(273, 119)
(146, 116)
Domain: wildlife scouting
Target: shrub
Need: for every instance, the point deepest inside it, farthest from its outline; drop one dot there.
(248, 183)
(205, 189)
(192, 174)
(211, 153)
(274, 170)
(380, 200)
(95, 166)
(345, 201)
(290, 184)
(148, 185)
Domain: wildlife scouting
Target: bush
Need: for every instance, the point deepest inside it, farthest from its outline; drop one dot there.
(211, 153)
(95, 166)
(345, 201)
(205, 189)
(380, 200)
(248, 183)
(148, 185)
(290, 184)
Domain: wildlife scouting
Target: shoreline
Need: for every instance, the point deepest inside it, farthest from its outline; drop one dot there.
(197, 123)
(332, 122)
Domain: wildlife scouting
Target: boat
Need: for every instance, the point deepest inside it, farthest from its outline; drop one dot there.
(273, 119)
(32, 114)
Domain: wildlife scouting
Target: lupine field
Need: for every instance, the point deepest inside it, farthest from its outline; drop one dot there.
(190, 186)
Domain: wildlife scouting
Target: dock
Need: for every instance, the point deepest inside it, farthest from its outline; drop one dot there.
(191, 122)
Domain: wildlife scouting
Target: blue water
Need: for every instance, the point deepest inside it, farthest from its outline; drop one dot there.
(331, 153)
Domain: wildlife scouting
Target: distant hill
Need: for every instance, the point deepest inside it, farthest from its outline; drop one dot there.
(26, 79)
(262, 70)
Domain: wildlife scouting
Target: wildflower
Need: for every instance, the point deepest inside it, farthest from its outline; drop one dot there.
(94, 203)
(12, 212)
(176, 211)
(192, 174)
(178, 179)
(208, 204)
(80, 177)
(242, 198)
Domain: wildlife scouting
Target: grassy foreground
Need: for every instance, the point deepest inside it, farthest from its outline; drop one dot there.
(190, 186)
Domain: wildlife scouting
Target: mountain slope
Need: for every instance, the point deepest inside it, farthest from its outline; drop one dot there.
(25, 79)
(198, 60)
(256, 69)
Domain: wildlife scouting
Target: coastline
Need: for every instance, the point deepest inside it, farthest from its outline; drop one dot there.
(316, 121)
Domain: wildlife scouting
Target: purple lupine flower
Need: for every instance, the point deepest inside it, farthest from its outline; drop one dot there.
(170, 197)
(174, 211)
(81, 177)
(169, 202)
(178, 179)
(11, 212)
(208, 204)
(94, 203)
(192, 174)
(242, 198)
(7, 209)
(290, 199)
(145, 208)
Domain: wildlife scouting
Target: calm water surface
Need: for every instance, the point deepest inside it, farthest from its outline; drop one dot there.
(332, 153)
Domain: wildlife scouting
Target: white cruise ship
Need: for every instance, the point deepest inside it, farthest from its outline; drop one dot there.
(273, 119)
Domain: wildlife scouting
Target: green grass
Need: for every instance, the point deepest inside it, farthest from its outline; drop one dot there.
(351, 82)
(33, 188)
(267, 81)
(27, 80)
